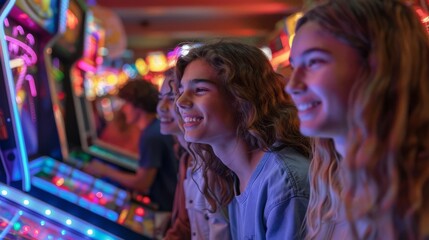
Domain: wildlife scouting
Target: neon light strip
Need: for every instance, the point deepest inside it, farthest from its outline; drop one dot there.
(30, 80)
(21, 76)
(54, 213)
(85, 66)
(19, 138)
(29, 58)
(18, 30)
(62, 25)
(32, 59)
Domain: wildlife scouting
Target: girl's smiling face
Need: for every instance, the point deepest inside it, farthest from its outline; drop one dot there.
(324, 71)
(206, 113)
(166, 109)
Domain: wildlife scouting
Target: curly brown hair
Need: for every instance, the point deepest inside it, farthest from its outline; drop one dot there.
(265, 115)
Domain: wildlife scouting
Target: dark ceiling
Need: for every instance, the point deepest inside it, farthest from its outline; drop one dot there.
(162, 24)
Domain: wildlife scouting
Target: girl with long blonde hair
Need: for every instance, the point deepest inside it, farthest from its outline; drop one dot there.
(361, 86)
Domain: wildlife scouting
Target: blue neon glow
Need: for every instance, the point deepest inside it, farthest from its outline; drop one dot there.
(90, 232)
(19, 137)
(55, 215)
(64, 5)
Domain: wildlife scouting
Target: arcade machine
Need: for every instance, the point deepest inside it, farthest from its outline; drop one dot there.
(21, 215)
(33, 34)
(93, 103)
(101, 203)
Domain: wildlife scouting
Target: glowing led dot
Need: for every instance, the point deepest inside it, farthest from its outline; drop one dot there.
(68, 222)
(48, 212)
(146, 200)
(42, 223)
(17, 226)
(139, 211)
(63, 232)
(26, 202)
(99, 194)
(90, 232)
(26, 228)
(20, 212)
(3, 192)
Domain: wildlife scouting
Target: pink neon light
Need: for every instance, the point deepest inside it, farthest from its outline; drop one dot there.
(15, 45)
(17, 30)
(30, 80)
(86, 67)
(30, 39)
(22, 72)
(24, 52)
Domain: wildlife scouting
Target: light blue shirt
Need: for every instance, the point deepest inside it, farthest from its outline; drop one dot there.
(205, 225)
(274, 203)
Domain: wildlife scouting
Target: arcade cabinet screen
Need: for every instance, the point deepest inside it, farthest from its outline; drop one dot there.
(74, 24)
(22, 48)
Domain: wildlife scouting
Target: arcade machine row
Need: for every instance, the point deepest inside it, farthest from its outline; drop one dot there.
(44, 97)
(92, 104)
(21, 215)
(30, 31)
(75, 59)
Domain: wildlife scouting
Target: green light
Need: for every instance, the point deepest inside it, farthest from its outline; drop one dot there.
(17, 226)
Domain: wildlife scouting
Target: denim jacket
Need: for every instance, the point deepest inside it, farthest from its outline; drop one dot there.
(274, 203)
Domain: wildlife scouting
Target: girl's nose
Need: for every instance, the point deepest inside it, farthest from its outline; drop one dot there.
(295, 84)
(183, 101)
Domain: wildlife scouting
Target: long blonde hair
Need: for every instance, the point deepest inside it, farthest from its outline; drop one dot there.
(386, 162)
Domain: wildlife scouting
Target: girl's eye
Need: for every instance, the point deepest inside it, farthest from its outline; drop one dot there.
(314, 63)
(200, 90)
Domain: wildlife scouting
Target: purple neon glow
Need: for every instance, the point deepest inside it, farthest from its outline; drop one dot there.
(30, 80)
(86, 67)
(22, 51)
(21, 77)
